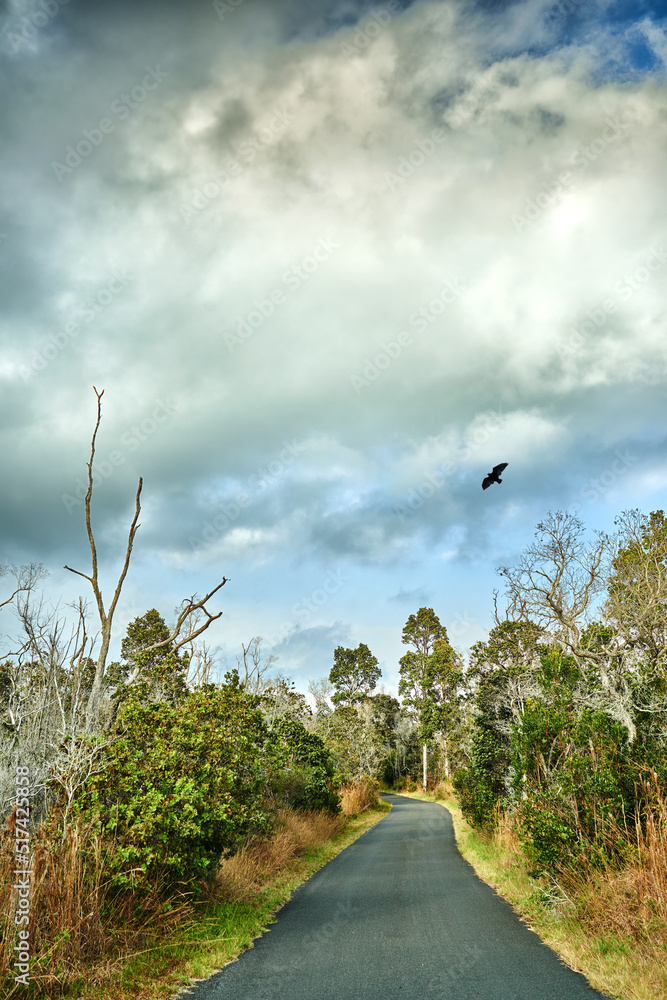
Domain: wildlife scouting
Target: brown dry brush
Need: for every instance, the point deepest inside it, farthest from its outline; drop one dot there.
(629, 898)
(358, 796)
(243, 875)
(80, 926)
(77, 921)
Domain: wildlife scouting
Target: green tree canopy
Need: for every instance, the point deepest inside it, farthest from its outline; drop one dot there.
(153, 674)
(354, 674)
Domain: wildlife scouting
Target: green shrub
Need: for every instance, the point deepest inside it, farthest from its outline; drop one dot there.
(183, 784)
(302, 771)
(480, 785)
(574, 779)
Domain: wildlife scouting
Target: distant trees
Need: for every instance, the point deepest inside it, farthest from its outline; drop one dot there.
(431, 674)
(559, 716)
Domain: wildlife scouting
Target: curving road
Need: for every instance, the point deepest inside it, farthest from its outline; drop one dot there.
(398, 915)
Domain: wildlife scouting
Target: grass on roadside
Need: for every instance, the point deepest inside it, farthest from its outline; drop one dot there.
(589, 923)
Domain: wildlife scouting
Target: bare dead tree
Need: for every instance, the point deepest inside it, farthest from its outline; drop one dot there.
(555, 585)
(252, 669)
(25, 578)
(76, 760)
(200, 666)
(190, 609)
(106, 617)
(557, 579)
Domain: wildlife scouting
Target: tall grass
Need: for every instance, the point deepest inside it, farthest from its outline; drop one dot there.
(607, 920)
(75, 920)
(629, 899)
(243, 875)
(358, 796)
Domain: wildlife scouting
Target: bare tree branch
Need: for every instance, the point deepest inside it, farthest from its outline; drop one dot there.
(190, 607)
(105, 617)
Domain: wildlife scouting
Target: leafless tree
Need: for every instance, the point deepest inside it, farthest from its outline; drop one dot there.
(202, 662)
(185, 629)
(26, 579)
(106, 616)
(557, 579)
(252, 668)
(280, 698)
(74, 761)
(556, 585)
(321, 690)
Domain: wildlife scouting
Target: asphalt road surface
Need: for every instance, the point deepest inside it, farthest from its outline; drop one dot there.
(398, 915)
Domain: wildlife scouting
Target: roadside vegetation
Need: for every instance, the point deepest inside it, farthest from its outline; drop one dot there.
(116, 945)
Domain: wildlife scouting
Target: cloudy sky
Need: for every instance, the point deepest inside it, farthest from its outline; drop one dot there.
(330, 262)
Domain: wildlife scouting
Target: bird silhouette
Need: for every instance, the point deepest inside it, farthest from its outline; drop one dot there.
(494, 477)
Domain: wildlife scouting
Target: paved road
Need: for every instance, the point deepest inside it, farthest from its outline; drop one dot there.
(398, 915)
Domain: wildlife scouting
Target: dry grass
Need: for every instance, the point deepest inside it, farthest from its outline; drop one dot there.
(630, 902)
(358, 796)
(244, 875)
(76, 921)
(85, 937)
(77, 924)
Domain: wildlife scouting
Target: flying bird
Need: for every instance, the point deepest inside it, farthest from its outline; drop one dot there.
(494, 477)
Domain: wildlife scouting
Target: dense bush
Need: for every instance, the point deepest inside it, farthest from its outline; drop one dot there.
(183, 784)
(480, 784)
(575, 779)
(302, 771)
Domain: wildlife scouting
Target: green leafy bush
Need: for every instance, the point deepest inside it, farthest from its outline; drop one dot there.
(183, 784)
(574, 780)
(480, 784)
(302, 771)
